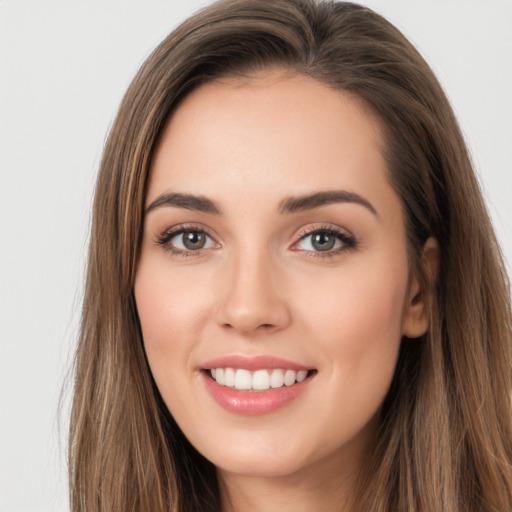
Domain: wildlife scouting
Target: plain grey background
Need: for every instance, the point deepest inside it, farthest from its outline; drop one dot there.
(64, 67)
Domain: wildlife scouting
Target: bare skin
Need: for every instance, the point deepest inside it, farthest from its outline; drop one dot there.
(247, 267)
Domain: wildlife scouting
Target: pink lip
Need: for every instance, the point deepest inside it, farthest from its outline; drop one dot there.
(253, 403)
(253, 363)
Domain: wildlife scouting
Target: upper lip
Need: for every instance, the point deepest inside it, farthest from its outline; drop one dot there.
(260, 362)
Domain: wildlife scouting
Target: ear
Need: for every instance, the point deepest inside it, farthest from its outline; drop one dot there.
(420, 293)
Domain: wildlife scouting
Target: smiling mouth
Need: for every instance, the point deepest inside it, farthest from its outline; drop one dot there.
(241, 379)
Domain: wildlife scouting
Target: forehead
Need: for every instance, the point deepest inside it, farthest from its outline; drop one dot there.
(271, 133)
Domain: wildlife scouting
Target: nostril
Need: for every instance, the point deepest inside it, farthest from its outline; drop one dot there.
(265, 327)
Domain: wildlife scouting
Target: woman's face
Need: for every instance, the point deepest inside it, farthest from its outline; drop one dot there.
(274, 254)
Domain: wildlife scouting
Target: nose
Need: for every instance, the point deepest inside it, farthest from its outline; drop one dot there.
(254, 296)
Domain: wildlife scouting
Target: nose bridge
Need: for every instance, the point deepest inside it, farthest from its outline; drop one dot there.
(253, 297)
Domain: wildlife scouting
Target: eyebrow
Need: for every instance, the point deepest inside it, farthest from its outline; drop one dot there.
(187, 201)
(288, 205)
(309, 202)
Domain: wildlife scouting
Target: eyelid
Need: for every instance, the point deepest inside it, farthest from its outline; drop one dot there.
(168, 234)
(349, 241)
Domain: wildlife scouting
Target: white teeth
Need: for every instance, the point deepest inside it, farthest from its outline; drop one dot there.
(260, 380)
(289, 377)
(229, 377)
(301, 375)
(243, 379)
(277, 379)
(219, 376)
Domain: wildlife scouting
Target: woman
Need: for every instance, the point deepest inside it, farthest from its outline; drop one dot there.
(294, 297)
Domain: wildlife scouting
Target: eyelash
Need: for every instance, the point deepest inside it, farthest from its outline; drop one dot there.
(349, 241)
(164, 239)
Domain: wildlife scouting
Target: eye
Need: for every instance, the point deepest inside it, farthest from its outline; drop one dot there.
(191, 240)
(183, 240)
(325, 240)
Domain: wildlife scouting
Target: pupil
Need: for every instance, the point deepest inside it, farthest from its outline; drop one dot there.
(323, 241)
(194, 240)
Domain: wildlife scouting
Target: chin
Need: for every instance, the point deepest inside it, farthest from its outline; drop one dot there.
(256, 456)
(268, 466)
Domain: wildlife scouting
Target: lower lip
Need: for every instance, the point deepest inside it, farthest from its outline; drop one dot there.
(253, 403)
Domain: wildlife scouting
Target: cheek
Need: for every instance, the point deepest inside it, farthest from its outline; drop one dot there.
(357, 328)
(171, 312)
(362, 301)
(356, 322)
(373, 306)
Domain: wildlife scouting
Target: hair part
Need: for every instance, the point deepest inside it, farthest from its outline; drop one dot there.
(445, 443)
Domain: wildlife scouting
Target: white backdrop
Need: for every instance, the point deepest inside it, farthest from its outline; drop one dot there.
(64, 67)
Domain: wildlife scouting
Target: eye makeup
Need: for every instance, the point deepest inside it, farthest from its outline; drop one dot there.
(190, 240)
(323, 241)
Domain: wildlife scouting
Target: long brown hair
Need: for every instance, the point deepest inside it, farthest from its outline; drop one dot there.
(445, 443)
